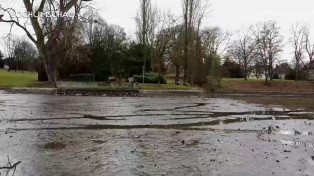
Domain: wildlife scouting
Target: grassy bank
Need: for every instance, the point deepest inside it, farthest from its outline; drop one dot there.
(28, 79)
(17, 79)
(259, 85)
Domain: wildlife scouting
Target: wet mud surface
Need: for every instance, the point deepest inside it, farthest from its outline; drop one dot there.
(60, 135)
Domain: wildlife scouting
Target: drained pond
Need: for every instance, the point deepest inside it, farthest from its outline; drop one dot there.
(69, 135)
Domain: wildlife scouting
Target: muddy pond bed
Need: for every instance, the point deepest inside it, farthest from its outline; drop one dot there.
(63, 135)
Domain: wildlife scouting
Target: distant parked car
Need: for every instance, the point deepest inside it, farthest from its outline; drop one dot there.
(111, 79)
(131, 79)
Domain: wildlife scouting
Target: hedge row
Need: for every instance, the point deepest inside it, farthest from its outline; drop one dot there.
(82, 77)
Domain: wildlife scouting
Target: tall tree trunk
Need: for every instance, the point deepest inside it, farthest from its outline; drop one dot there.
(297, 71)
(192, 79)
(245, 71)
(266, 72)
(308, 74)
(42, 73)
(51, 71)
(270, 72)
(177, 80)
(49, 54)
(185, 72)
(159, 72)
(144, 31)
(186, 42)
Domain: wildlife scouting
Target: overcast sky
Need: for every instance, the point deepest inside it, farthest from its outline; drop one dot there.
(228, 14)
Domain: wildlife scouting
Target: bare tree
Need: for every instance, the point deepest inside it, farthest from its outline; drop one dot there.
(243, 50)
(92, 24)
(146, 25)
(268, 45)
(165, 40)
(187, 24)
(189, 10)
(11, 44)
(176, 52)
(201, 12)
(215, 42)
(298, 41)
(25, 52)
(309, 47)
(48, 31)
(194, 11)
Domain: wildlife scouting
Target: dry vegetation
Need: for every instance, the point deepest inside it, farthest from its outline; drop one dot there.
(259, 85)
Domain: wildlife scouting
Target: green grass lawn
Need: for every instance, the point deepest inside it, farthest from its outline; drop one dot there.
(28, 79)
(17, 79)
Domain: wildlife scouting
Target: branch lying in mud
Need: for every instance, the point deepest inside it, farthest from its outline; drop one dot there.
(10, 167)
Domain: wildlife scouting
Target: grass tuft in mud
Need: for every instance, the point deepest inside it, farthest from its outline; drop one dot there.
(54, 146)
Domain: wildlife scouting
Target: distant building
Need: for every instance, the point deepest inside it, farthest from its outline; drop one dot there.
(6, 67)
(257, 72)
(254, 75)
(282, 70)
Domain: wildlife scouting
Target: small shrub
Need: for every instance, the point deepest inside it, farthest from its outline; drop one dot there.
(151, 78)
(292, 75)
(276, 76)
(82, 77)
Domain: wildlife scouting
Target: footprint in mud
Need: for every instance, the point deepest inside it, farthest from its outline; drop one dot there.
(54, 146)
(98, 141)
(193, 143)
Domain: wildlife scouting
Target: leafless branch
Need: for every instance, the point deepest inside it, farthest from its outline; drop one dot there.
(9, 167)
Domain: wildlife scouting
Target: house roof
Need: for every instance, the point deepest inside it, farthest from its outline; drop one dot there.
(282, 69)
